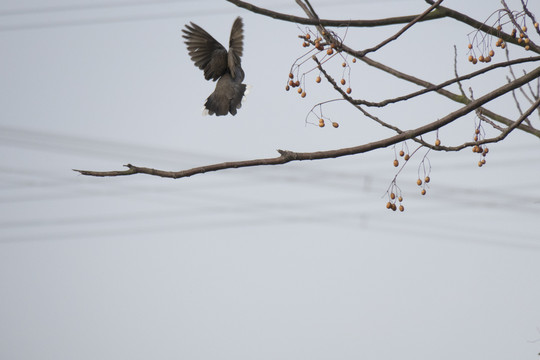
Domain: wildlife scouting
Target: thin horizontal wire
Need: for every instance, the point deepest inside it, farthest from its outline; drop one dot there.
(89, 6)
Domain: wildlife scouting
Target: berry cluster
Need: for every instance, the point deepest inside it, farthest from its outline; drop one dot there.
(321, 123)
(486, 52)
(328, 50)
(394, 199)
(426, 170)
(479, 149)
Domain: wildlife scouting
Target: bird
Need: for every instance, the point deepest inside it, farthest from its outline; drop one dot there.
(219, 64)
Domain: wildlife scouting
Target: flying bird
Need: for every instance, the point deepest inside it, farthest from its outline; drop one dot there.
(219, 64)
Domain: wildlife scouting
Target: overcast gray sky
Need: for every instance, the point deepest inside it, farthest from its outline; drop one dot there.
(301, 261)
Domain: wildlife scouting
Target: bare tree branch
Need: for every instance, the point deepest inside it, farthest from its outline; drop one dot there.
(333, 23)
(438, 13)
(288, 156)
(401, 31)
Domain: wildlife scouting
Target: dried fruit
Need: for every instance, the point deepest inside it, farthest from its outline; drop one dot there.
(299, 90)
(407, 157)
(318, 79)
(524, 28)
(354, 59)
(423, 192)
(437, 142)
(396, 163)
(335, 124)
(330, 51)
(349, 90)
(344, 64)
(321, 122)
(392, 196)
(419, 182)
(287, 88)
(427, 179)
(303, 94)
(308, 36)
(401, 153)
(388, 205)
(491, 53)
(400, 199)
(342, 81)
(471, 58)
(469, 46)
(401, 208)
(291, 75)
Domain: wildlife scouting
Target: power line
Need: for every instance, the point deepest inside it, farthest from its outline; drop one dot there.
(121, 19)
(89, 6)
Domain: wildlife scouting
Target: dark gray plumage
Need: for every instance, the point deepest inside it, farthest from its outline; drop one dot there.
(219, 64)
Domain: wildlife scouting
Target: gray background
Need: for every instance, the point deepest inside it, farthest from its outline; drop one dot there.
(300, 261)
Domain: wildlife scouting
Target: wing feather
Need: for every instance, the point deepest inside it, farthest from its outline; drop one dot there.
(205, 51)
(236, 46)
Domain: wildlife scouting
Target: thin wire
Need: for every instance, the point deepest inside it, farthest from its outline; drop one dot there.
(89, 6)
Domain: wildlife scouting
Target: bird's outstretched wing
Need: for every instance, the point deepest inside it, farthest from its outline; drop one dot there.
(236, 46)
(207, 54)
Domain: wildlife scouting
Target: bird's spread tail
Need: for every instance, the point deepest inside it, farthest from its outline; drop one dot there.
(226, 98)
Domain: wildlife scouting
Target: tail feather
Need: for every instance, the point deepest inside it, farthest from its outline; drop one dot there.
(226, 98)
